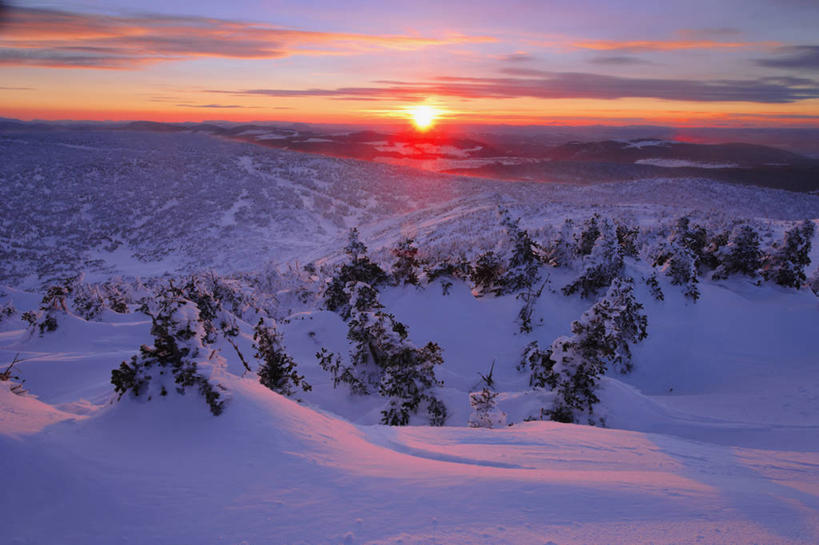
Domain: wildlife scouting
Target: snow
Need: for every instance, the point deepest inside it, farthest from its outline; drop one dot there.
(648, 143)
(712, 438)
(679, 163)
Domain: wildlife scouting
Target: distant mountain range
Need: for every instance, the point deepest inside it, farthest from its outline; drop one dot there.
(522, 156)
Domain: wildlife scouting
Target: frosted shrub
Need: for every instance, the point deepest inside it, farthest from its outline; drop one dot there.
(603, 264)
(405, 265)
(358, 268)
(600, 339)
(741, 255)
(277, 370)
(172, 362)
(382, 360)
(786, 265)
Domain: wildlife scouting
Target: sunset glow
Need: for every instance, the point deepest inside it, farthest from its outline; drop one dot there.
(423, 117)
(578, 63)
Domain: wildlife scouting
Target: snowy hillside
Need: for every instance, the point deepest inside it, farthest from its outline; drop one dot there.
(477, 362)
(143, 203)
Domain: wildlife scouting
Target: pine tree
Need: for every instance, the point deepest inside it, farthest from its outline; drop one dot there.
(406, 265)
(741, 255)
(679, 265)
(382, 360)
(600, 340)
(589, 233)
(540, 364)
(485, 413)
(175, 354)
(603, 264)
(654, 287)
(358, 268)
(487, 274)
(786, 266)
(627, 239)
(277, 370)
(522, 270)
(560, 252)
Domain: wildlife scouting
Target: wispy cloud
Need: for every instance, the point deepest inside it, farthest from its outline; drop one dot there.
(517, 58)
(619, 60)
(529, 83)
(805, 57)
(51, 38)
(635, 46)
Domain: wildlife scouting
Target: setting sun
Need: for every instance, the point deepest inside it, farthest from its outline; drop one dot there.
(423, 117)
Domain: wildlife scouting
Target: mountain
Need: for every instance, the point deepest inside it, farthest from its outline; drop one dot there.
(135, 202)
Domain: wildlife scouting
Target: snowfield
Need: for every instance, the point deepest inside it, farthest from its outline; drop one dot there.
(711, 438)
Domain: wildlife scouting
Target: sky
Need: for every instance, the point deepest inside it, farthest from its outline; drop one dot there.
(750, 63)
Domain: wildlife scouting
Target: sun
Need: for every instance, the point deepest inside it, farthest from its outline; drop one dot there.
(423, 117)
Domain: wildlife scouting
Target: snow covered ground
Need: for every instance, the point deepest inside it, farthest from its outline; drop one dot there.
(713, 437)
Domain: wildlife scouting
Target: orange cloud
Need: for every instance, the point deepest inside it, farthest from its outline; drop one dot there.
(50, 38)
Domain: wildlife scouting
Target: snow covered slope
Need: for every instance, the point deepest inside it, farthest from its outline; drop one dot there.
(145, 203)
(712, 438)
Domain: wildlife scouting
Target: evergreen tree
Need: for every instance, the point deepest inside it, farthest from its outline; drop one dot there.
(654, 287)
(487, 274)
(786, 266)
(588, 235)
(522, 271)
(540, 364)
(741, 255)
(406, 265)
(600, 339)
(694, 239)
(627, 239)
(679, 265)
(277, 370)
(382, 360)
(176, 355)
(603, 264)
(358, 268)
(561, 250)
(485, 414)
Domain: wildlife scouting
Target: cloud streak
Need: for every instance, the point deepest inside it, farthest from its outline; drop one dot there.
(51, 38)
(802, 57)
(567, 85)
(638, 46)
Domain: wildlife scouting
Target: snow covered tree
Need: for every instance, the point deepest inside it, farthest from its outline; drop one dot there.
(539, 363)
(654, 287)
(7, 310)
(560, 252)
(694, 239)
(600, 339)
(382, 360)
(406, 265)
(741, 255)
(627, 239)
(813, 282)
(588, 235)
(277, 370)
(522, 269)
(786, 265)
(54, 303)
(448, 270)
(529, 298)
(485, 413)
(487, 274)
(88, 301)
(173, 361)
(602, 265)
(358, 268)
(678, 263)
